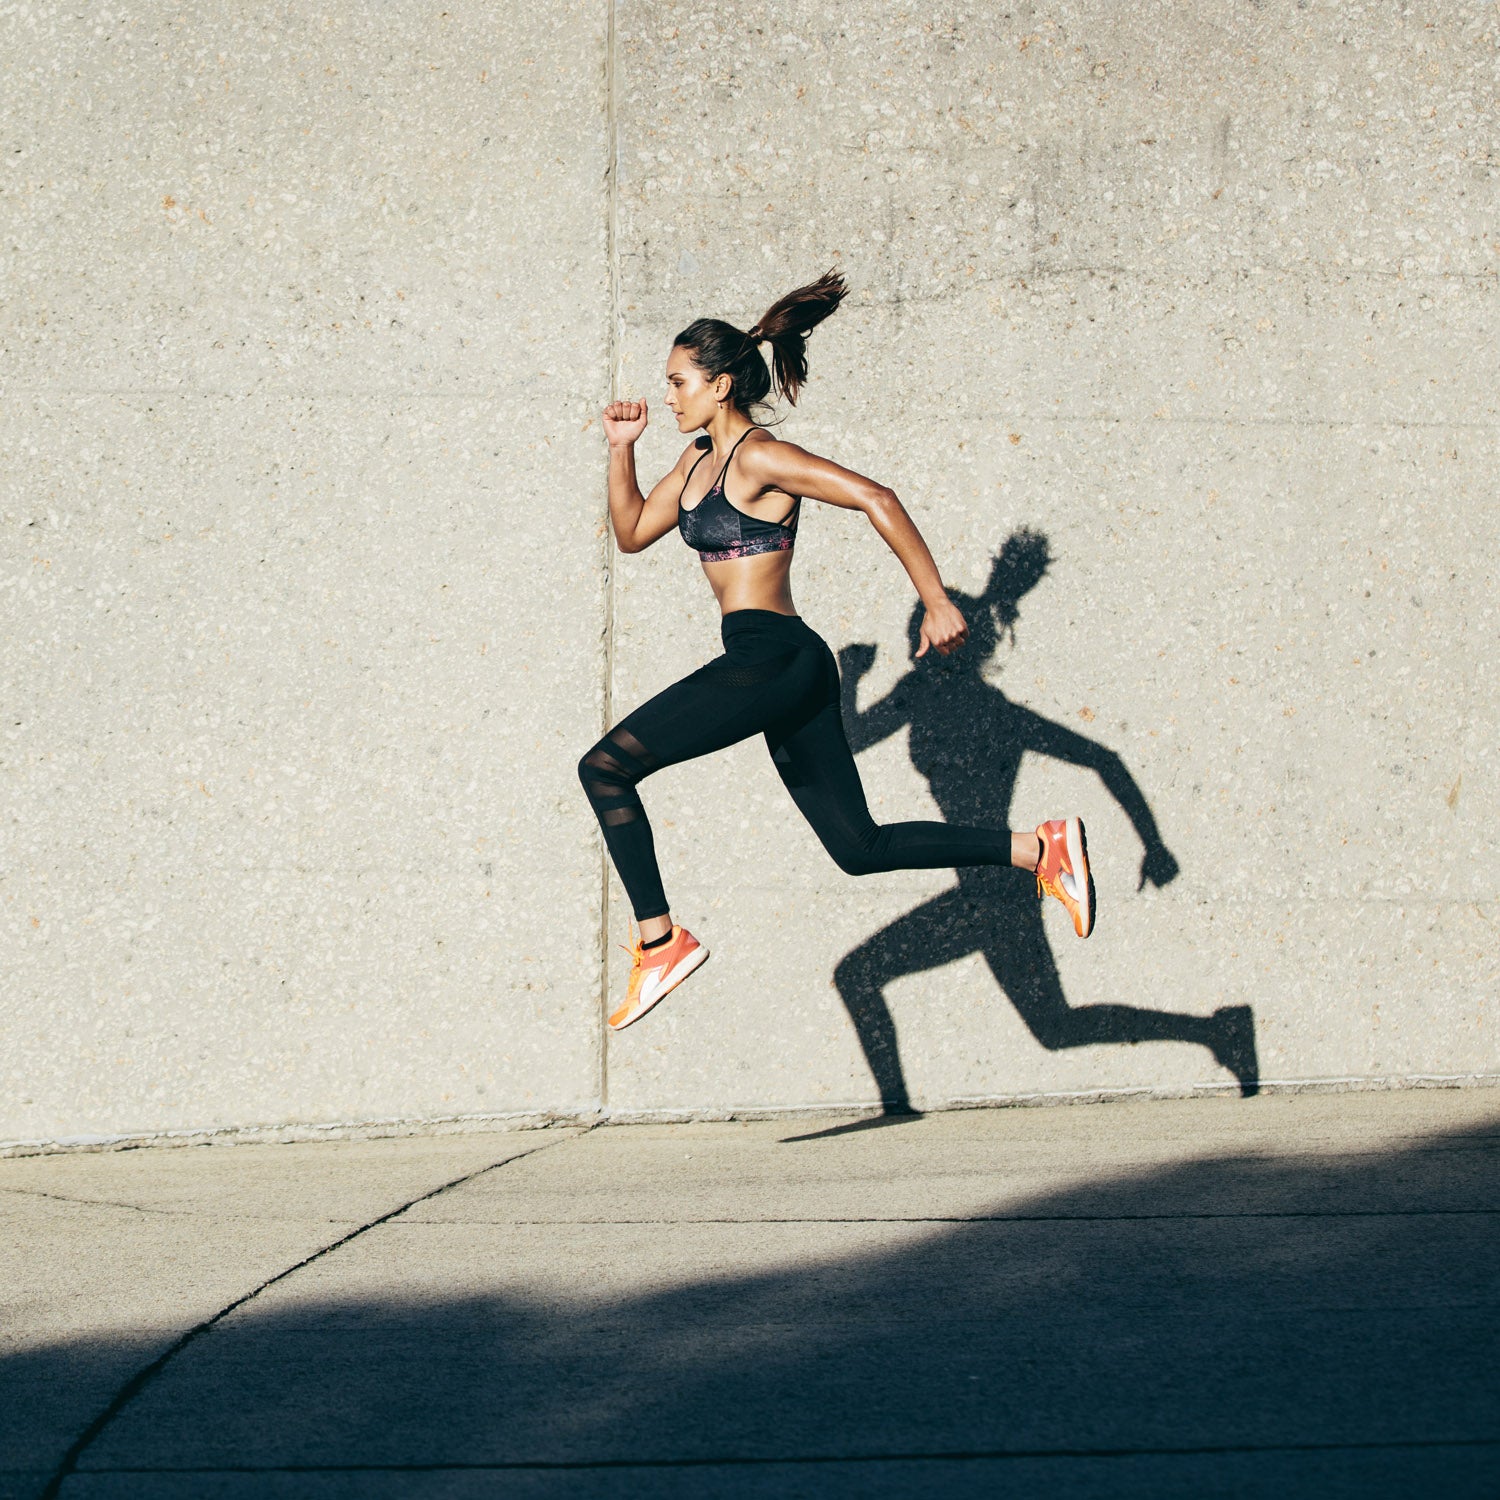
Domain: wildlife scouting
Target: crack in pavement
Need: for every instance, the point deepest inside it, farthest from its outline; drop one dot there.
(85, 1202)
(178, 1213)
(143, 1377)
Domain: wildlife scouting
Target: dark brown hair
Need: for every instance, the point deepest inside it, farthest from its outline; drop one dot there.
(719, 348)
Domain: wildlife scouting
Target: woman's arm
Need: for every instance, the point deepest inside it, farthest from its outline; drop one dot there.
(638, 520)
(798, 472)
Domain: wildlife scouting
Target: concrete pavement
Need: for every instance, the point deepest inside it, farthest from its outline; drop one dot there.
(1287, 1294)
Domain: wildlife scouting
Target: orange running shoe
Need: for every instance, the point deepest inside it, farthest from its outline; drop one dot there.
(657, 972)
(1063, 870)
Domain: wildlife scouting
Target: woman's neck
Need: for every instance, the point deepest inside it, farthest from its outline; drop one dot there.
(726, 428)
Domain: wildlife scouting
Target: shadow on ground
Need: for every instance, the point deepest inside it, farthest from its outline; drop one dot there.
(1320, 1324)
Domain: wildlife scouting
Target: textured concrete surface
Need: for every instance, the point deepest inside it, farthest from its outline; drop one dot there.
(304, 582)
(1287, 1295)
(1209, 301)
(303, 600)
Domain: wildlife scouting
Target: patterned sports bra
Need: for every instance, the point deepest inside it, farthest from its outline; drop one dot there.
(722, 532)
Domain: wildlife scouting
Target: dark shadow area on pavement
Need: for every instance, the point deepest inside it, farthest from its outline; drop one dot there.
(1315, 1324)
(967, 739)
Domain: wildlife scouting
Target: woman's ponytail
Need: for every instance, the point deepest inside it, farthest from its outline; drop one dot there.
(786, 324)
(720, 348)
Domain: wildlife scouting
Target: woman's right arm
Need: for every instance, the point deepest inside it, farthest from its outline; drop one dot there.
(638, 520)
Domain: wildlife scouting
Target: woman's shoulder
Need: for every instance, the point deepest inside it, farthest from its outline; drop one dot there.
(767, 454)
(761, 442)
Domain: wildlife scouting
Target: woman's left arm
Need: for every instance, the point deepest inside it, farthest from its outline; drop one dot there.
(787, 467)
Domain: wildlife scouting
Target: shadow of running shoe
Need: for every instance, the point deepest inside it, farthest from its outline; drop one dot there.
(1234, 1046)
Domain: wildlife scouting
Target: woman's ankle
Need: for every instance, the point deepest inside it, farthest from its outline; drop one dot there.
(655, 931)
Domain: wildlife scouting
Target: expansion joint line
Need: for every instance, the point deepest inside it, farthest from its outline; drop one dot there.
(143, 1377)
(610, 559)
(834, 1461)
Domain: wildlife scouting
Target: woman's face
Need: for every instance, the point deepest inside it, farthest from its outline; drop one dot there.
(692, 399)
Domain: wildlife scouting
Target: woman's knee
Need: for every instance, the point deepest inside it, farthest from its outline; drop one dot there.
(853, 844)
(851, 855)
(594, 761)
(605, 772)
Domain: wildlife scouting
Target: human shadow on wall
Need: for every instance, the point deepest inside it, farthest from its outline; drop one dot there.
(967, 739)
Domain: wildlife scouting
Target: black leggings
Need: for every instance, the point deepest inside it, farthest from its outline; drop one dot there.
(776, 677)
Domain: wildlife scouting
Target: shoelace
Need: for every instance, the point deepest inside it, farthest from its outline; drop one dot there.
(633, 947)
(1053, 887)
(636, 948)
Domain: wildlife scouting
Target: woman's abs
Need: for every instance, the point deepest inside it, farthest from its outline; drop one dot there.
(761, 582)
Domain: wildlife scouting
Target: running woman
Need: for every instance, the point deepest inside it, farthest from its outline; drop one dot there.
(777, 676)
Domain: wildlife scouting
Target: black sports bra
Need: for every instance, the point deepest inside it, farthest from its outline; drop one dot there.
(720, 531)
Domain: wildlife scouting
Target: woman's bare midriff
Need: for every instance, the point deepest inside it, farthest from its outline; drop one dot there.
(760, 582)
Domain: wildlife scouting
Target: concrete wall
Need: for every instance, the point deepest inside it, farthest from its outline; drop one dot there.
(309, 610)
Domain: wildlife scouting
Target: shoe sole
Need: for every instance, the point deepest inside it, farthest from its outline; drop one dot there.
(687, 967)
(1078, 857)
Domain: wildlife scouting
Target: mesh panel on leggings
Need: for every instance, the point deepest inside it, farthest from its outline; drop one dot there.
(750, 674)
(610, 773)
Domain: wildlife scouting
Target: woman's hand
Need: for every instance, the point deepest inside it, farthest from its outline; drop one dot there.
(624, 422)
(943, 628)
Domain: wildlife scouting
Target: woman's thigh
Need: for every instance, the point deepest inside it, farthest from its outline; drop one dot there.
(720, 704)
(816, 765)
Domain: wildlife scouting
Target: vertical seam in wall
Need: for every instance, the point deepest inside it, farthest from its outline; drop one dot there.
(612, 255)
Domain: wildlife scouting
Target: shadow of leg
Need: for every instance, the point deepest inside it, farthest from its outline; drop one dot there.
(1021, 960)
(1234, 1046)
(934, 934)
(852, 1127)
